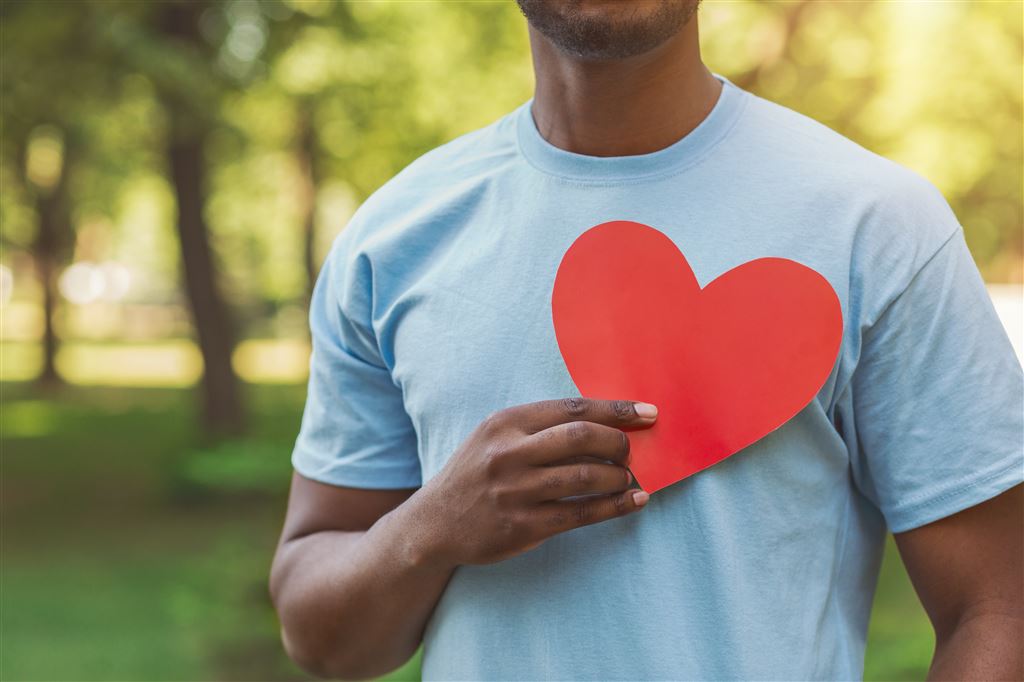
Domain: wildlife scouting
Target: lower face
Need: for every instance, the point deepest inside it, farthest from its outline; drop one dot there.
(607, 29)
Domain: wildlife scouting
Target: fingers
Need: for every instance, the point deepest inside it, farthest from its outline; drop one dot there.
(568, 514)
(538, 416)
(556, 482)
(577, 438)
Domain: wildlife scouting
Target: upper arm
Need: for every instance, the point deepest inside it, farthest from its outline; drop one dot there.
(934, 423)
(355, 457)
(970, 563)
(355, 431)
(934, 419)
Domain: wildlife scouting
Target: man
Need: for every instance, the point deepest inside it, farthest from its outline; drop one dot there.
(453, 489)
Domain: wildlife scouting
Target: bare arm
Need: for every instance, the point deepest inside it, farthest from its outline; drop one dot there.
(357, 573)
(968, 570)
(343, 551)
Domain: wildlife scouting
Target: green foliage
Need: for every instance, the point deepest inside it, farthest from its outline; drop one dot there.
(933, 85)
(108, 572)
(238, 466)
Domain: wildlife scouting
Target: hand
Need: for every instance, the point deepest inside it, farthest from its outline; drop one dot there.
(503, 491)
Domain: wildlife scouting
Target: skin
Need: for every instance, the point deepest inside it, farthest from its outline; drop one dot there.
(621, 107)
(358, 573)
(968, 570)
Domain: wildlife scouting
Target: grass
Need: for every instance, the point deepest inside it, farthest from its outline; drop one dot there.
(126, 555)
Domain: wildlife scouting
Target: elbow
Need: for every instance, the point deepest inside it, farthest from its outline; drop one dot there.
(314, 657)
(306, 659)
(318, 650)
(319, 664)
(315, 639)
(334, 663)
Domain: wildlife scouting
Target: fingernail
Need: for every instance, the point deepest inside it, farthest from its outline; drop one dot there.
(640, 498)
(645, 410)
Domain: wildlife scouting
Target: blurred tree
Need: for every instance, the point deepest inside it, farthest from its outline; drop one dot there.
(69, 60)
(197, 55)
(45, 158)
(41, 94)
(307, 150)
(292, 112)
(189, 128)
(933, 86)
(369, 87)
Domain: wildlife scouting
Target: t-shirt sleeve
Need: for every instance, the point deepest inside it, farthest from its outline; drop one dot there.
(937, 397)
(355, 431)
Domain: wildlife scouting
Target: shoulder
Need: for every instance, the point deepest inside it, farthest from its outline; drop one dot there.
(881, 220)
(444, 176)
(825, 161)
(405, 221)
(886, 204)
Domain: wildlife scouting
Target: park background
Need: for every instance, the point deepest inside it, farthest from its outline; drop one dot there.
(172, 176)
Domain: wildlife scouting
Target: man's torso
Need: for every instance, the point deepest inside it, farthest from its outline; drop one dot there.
(766, 561)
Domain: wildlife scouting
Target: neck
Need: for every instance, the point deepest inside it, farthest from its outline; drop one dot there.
(622, 107)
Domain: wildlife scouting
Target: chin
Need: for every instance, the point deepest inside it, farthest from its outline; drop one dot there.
(607, 29)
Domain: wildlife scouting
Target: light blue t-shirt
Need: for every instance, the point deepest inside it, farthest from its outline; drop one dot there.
(433, 310)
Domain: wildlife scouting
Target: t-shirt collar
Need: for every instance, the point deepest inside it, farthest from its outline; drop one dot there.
(551, 159)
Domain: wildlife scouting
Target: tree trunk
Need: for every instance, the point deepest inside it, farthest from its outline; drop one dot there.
(188, 129)
(222, 406)
(53, 228)
(306, 152)
(46, 263)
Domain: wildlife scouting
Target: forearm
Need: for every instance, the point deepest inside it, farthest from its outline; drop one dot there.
(986, 646)
(354, 604)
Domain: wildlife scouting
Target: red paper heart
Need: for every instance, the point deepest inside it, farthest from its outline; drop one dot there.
(726, 364)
